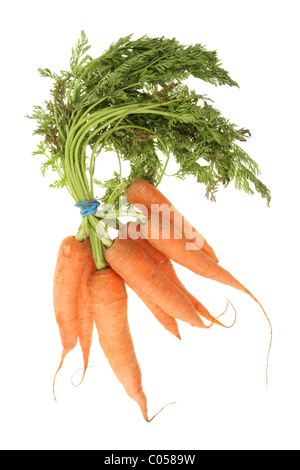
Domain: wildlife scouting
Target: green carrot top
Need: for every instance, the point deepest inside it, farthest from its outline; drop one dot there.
(133, 100)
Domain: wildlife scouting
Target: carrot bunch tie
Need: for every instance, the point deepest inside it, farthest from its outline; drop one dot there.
(88, 207)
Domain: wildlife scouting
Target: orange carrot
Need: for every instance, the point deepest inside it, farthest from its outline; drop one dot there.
(168, 241)
(132, 230)
(168, 322)
(71, 263)
(86, 320)
(108, 301)
(145, 197)
(145, 277)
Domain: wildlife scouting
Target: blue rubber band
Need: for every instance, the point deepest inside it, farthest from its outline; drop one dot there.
(88, 207)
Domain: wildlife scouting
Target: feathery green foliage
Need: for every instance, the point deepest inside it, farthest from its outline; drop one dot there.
(147, 73)
(133, 100)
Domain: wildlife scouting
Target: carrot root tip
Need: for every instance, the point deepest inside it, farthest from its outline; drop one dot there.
(64, 353)
(160, 411)
(83, 375)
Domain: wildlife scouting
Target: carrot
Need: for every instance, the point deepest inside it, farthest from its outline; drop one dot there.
(108, 301)
(132, 230)
(86, 320)
(168, 322)
(167, 240)
(149, 199)
(145, 277)
(72, 260)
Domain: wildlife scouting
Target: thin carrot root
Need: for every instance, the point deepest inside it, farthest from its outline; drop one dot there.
(160, 411)
(83, 375)
(223, 313)
(235, 316)
(271, 332)
(214, 321)
(64, 353)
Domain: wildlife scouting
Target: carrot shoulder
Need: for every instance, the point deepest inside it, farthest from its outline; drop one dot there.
(108, 301)
(147, 198)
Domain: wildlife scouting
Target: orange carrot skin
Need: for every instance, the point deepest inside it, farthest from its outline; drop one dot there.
(165, 265)
(168, 322)
(108, 301)
(167, 268)
(142, 195)
(86, 319)
(71, 262)
(195, 260)
(145, 277)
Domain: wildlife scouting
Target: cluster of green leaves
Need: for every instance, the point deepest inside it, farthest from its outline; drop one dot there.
(156, 114)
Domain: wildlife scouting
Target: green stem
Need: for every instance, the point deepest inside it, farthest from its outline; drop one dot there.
(98, 251)
(102, 139)
(85, 70)
(164, 169)
(117, 192)
(83, 232)
(61, 133)
(75, 139)
(80, 135)
(120, 167)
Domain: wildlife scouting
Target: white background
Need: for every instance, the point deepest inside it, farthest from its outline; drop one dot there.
(216, 377)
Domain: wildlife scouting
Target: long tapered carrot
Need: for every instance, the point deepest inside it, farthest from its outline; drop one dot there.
(145, 277)
(168, 322)
(147, 198)
(132, 230)
(71, 263)
(86, 319)
(108, 301)
(166, 239)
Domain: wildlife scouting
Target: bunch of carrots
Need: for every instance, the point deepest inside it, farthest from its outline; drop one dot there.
(84, 295)
(132, 100)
